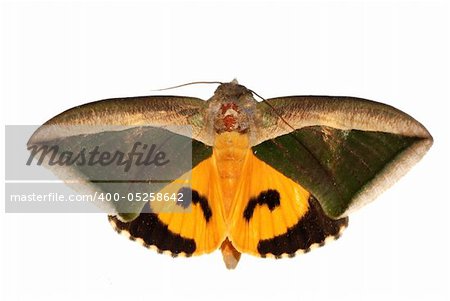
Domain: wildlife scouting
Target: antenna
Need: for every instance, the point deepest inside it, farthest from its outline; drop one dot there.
(187, 84)
(273, 109)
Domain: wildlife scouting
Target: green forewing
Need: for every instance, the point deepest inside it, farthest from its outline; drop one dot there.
(148, 119)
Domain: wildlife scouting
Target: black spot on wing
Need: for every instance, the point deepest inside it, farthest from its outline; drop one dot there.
(154, 232)
(314, 227)
(270, 197)
(185, 198)
(192, 196)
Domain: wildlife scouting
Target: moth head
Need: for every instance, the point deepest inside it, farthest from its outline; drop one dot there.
(231, 108)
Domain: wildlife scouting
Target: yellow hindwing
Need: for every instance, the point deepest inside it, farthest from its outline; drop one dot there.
(266, 205)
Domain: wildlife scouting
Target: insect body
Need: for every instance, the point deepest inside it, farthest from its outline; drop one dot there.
(270, 179)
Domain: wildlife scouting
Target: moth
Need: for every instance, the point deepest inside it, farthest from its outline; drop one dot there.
(271, 179)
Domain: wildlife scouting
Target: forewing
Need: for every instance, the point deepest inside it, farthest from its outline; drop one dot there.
(114, 123)
(344, 150)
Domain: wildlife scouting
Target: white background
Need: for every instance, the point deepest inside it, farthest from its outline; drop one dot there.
(59, 54)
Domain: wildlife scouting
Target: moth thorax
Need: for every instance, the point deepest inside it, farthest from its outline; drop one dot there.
(230, 118)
